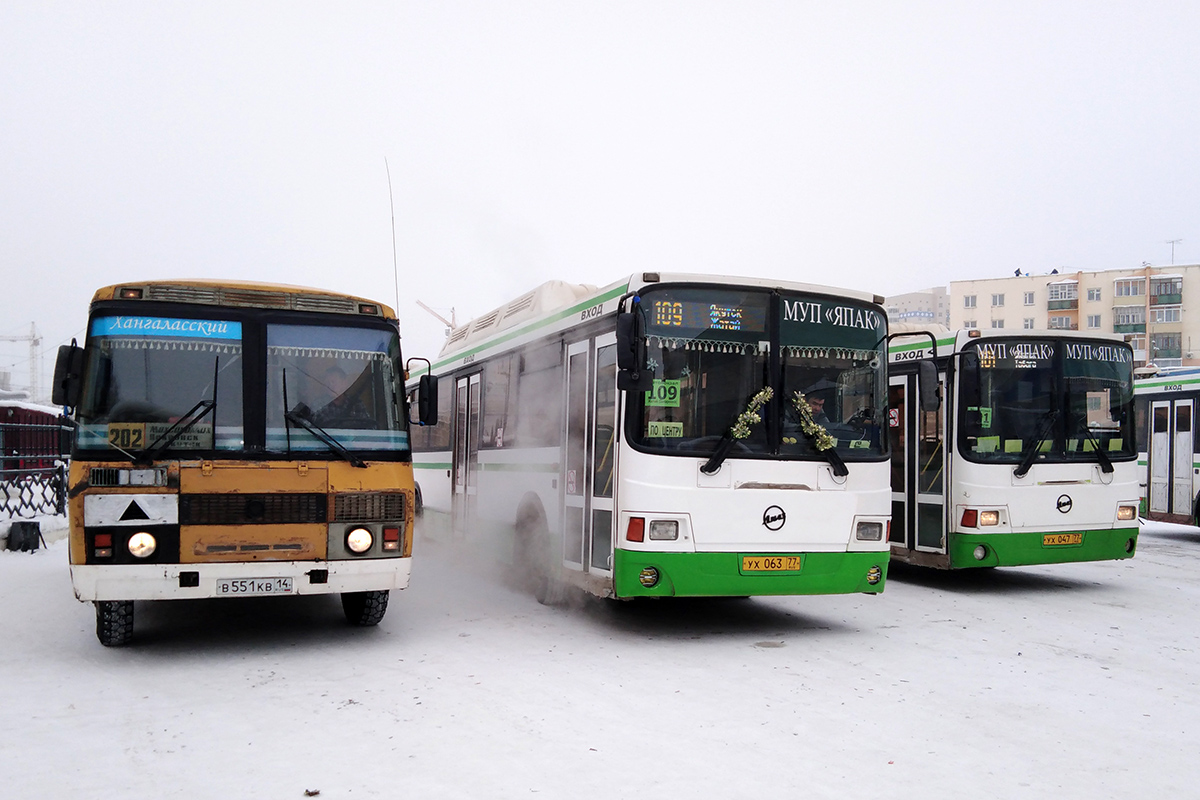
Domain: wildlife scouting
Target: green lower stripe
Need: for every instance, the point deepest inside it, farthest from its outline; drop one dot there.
(1026, 549)
(719, 575)
(431, 465)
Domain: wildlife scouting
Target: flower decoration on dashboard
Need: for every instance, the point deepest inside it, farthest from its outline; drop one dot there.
(812, 429)
(741, 428)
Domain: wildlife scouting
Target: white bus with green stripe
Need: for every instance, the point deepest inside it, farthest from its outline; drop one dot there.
(1166, 402)
(654, 438)
(1031, 457)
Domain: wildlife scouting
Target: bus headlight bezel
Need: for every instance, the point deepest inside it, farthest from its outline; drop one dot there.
(1126, 513)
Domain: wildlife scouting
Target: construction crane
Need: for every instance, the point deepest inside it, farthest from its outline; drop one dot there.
(35, 358)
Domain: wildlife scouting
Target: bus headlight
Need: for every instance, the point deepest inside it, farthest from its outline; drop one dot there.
(359, 540)
(142, 545)
(869, 532)
(664, 529)
(1126, 512)
(989, 518)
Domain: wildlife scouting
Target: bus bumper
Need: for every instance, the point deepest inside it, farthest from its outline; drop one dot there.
(720, 574)
(1037, 547)
(172, 581)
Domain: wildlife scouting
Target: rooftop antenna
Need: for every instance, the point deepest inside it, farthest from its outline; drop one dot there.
(449, 323)
(1173, 242)
(392, 205)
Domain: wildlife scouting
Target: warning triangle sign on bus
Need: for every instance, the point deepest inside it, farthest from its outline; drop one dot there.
(134, 511)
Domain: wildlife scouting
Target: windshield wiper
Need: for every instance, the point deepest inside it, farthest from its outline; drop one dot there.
(294, 416)
(1106, 465)
(1031, 449)
(172, 434)
(185, 423)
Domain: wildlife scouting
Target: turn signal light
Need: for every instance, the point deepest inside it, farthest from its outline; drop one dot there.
(636, 531)
(103, 545)
(970, 518)
(391, 538)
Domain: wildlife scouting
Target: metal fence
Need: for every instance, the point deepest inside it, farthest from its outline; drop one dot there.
(34, 451)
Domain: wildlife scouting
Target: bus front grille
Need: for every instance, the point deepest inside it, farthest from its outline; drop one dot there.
(252, 509)
(368, 507)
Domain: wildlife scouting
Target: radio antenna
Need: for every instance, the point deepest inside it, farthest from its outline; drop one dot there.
(392, 205)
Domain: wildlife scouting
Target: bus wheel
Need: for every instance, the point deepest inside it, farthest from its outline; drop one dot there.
(364, 608)
(114, 622)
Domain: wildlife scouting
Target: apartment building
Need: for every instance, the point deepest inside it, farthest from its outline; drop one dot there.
(928, 305)
(1147, 305)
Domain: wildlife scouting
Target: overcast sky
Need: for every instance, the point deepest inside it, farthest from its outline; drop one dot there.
(881, 146)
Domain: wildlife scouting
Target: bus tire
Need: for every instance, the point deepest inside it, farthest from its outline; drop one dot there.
(365, 608)
(114, 622)
(418, 501)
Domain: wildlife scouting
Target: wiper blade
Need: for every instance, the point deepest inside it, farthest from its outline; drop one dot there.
(319, 432)
(1106, 465)
(1031, 449)
(172, 434)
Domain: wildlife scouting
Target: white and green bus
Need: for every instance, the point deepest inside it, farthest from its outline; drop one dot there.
(1030, 458)
(659, 437)
(1166, 402)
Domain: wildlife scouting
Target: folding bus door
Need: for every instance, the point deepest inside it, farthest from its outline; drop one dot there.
(466, 453)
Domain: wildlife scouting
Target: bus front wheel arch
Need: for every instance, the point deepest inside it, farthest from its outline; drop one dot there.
(533, 555)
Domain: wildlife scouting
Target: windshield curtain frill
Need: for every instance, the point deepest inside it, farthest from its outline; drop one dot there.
(1046, 400)
(714, 353)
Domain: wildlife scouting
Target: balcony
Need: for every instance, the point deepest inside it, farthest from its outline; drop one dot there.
(1166, 299)
(1132, 327)
(1063, 305)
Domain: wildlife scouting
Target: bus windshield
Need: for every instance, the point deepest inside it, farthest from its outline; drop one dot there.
(147, 373)
(338, 379)
(1050, 400)
(710, 353)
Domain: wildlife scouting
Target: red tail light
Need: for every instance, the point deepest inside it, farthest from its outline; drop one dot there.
(636, 531)
(970, 518)
(391, 538)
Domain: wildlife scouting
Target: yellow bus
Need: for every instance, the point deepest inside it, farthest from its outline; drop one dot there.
(234, 440)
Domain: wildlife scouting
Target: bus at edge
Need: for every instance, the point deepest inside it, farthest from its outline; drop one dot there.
(236, 440)
(1167, 400)
(1030, 458)
(654, 438)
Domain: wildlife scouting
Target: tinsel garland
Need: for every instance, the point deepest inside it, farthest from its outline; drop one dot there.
(819, 436)
(741, 428)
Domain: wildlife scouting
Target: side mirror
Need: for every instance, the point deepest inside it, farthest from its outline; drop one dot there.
(427, 400)
(68, 376)
(632, 374)
(927, 386)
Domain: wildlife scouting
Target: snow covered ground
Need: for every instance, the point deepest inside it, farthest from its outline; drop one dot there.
(1067, 681)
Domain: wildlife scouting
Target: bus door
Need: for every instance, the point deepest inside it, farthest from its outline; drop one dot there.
(1171, 456)
(589, 473)
(1181, 458)
(466, 453)
(918, 469)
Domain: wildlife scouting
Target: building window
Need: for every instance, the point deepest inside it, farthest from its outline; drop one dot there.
(969, 301)
(1029, 298)
(1130, 287)
(1029, 323)
(1166, 345)
(969, 324)
(997, 300)
(1063, 291)
(997, 323)
(1166, 314)
(1093, 294)
(1129, 315)
(1093, 320)
(1061, 324)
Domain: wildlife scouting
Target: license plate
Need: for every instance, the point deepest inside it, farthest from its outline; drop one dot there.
(244, 587)
(770, 563)
(1056, 539)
